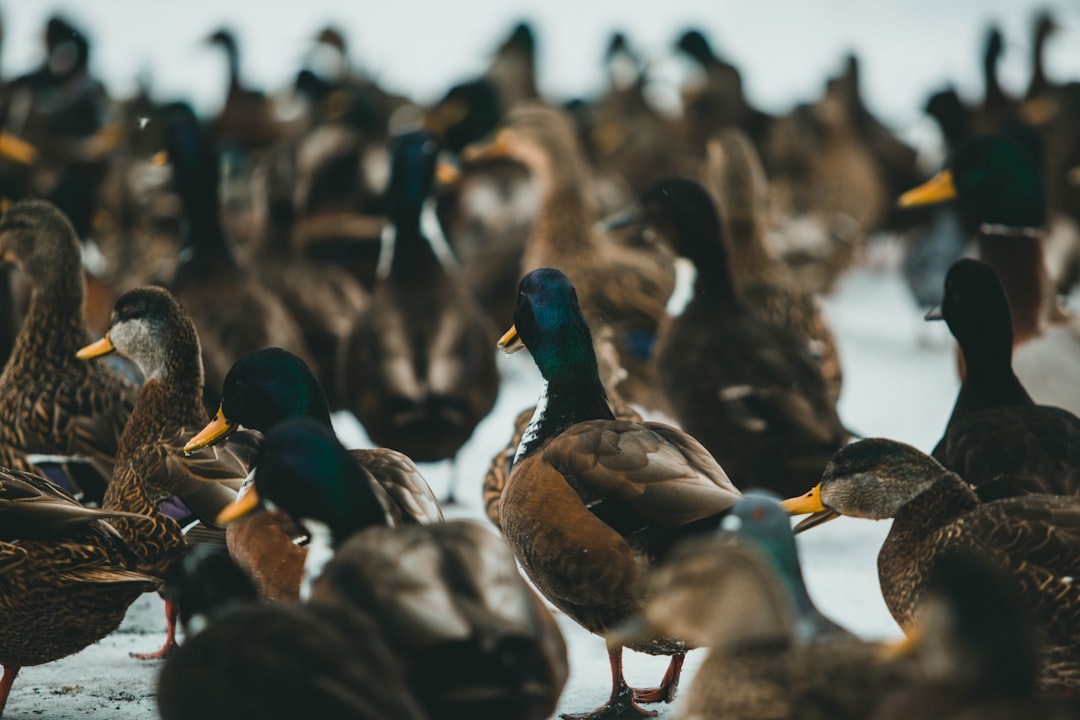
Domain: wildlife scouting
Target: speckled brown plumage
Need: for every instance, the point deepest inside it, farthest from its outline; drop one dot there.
(66, 576)
(51, 402)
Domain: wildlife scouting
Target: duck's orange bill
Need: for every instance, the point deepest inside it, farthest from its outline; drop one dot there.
(447, 174)
(159, 159)
(809, 503)
(215, 430)
(511, 342)
(16, 149)
(502, 146)
(937, 189)
(239, 508)
(103, 346)
(902, 648)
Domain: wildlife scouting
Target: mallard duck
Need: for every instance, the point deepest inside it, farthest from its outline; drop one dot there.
(611, 374)
(722, 593)
(735, 174)
(152, 329)
(1035, 539)
(624, 286)
(242, 659)
(998, 109)
(999, 190)
(513, 69)
(235, 314)
(759, 519)
(1044, 27)
(68, 576)
(977, 649)
(261, 390)
(997, 438)
(591, 501)
(418, 370)
(748, 390)
(475, 641)
(245, 121)
(50, 402)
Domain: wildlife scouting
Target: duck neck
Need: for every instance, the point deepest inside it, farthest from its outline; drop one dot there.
(562, 403)
(1038, 84)
(167, 401)
(413, 255)
(1017, 258)
(945, 498)
(232, 60)
(713, 283)
(54, 328)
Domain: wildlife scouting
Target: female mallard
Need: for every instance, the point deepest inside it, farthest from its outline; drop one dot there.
(977, 648)
(997, 438)
(151, 328)
(50, 402)
(277, 662)
(592, 501)
(418, 370)
(1035, 539)
(235, 314)
(998, 187)
(735, 174)
(262, 390)
(476, 642)
(67, 576)
(747, 389)
(721, 592)
(621, 285)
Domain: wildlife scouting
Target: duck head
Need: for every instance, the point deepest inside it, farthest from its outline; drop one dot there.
(36, 236)
(977, 313)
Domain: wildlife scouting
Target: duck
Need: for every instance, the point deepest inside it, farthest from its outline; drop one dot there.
(242, 657)
(513, 67)
(998, 188)
(735, 175)
(1044, 27)
(997, 437)
(998, 109)
(611, 374)
(759, 519)
(262, 390)
(418, 370)
(50, 402)
(246, 121)
(977, 649)
(720, 591)
(474, 639)
(622, 285)
(68, 576)
(235, 314)
(152, 329)
(747, 389)
(1034, 538)
(592, 501)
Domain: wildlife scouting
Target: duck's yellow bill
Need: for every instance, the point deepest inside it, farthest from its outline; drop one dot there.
(937, 189)
(511, 342)
(16, 149)
(902, 648)
(239, 508)
(103, 346)
(446, 174)
(809, 503)
(159, 159)
(502, 146)
(215, 430)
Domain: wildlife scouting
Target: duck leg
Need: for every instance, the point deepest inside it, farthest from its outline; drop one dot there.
(10, 671)
(622, 704)
(668, 686)
(172, 612)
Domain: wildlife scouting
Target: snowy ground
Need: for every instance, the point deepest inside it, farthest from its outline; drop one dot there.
(899, 381)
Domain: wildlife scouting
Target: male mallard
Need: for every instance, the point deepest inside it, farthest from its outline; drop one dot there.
(418, 370)
(152, 329)
(999, 190)
(747, 389)
(50, 402)
(262, 390)
(1035, 539)
(721, 592)
(277, 662)
(67, 576)
(621, 286)
(977, 648)
(997, 438)
(592, 501)
(476, 642)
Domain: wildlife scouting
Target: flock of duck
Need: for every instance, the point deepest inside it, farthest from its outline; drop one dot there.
(345, 249)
